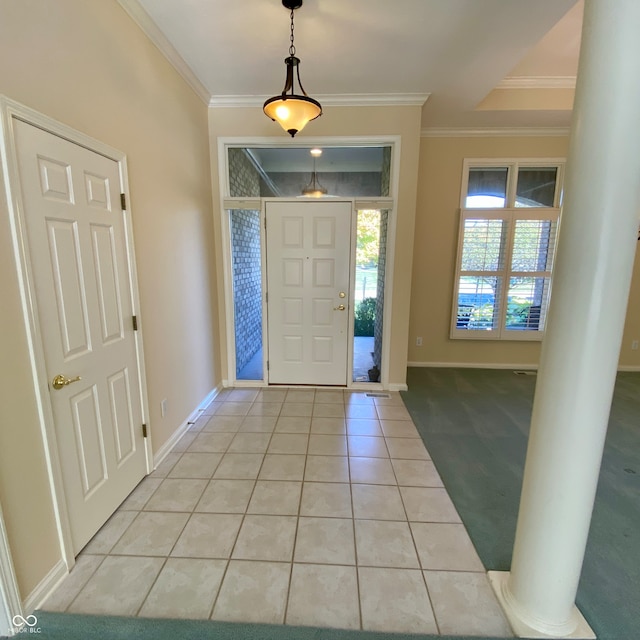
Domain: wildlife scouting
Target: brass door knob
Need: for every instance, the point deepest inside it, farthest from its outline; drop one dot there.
(340, 307)
(60, 381)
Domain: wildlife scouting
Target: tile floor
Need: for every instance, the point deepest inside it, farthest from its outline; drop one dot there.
(296, 506)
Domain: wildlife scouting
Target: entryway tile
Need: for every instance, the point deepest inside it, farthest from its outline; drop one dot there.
(288, 443)
(395, 600)
(118, 587)
(208, 535)
(362, 427)
(265, 410)
(324, 596)
(258, 424)
(428, 505)
(163, 469)
(416, 473)
(407, 449)
(275, 497)
(151, 534)
(377, 502)
(271, 395)
(64, 594)
(329, 395)
(445, 547)
(328, 426)
(328, 410)
(223, 424)
(300, 395)
(392, 412)
(110, 533)
(249, 443)
(297, 409)
(287, 424)
(226, 496)
(371, 471)
(361, 411)
(207, 442)
(464, 604)
(326, 445)
(328, 500)
(253, 592)
(325, 541)
(266, 538)
(186, 440)
(185, 588)
(327, 469)
(242, 395)
(196, 465)
(239, 466)
(233, 409)
(385, 544)
(176, 495)
(367, 447)
(278, 466)
(141, 494)
(399, 429)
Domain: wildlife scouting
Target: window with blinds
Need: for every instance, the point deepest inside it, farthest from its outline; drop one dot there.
(507, 239)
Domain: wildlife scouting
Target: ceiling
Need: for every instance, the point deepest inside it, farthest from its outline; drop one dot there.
(471, 63)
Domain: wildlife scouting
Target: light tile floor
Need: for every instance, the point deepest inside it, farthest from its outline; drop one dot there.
(297, 506)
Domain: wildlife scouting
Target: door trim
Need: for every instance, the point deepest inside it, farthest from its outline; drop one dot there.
(10, 111)
(221, 222)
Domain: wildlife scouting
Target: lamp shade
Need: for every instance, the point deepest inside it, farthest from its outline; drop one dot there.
(292, 112)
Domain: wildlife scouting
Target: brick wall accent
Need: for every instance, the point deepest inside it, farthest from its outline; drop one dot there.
(382, 263)
(247, 284)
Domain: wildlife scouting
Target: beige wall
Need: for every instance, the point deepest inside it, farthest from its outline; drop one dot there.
(86, 64)
(343, 121)
(435, 248)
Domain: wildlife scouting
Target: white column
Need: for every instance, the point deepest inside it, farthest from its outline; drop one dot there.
(592, 276)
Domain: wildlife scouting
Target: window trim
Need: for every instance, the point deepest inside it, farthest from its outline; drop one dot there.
(509, 214)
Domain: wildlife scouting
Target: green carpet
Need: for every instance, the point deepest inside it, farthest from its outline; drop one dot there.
(64, 626)
(475, 424)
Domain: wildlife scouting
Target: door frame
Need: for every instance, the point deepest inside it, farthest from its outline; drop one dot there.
(227, 323)
(10, 111)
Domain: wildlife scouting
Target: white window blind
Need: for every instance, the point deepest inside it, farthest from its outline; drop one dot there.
(505, 254)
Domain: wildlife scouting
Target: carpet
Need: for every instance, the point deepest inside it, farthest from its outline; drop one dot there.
(475, 424)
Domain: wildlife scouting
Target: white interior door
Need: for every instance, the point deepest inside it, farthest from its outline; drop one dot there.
(308, 268)
(77, 245)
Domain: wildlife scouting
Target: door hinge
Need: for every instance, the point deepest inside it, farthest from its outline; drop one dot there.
(265, 222)
(134, 320)
(144, 430)
(266, 297)
(123, 201)
(267, 365)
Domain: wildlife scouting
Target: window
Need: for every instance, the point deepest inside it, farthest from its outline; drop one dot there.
(507, 238)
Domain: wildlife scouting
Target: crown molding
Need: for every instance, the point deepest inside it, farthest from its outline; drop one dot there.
(493, 132)
(333, 100)
(537, 82)
(151, 30)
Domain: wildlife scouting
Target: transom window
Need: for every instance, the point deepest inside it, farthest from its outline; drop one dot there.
(508, 227)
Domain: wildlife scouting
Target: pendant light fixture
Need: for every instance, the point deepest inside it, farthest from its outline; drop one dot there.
(314, 189)
(290, 110)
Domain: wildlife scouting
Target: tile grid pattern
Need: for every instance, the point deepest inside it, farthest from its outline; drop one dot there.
(297, 506)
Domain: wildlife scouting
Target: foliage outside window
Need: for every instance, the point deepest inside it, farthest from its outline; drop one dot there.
(507, 238)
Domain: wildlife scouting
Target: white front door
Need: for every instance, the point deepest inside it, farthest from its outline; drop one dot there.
(79, 261)
(308, 267)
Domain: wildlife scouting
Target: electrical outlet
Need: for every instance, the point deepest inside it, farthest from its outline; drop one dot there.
(419, 341)
(163, 408)
(634, 345)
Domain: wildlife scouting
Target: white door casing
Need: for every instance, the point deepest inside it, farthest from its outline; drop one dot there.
(308, 283)
(80, 269)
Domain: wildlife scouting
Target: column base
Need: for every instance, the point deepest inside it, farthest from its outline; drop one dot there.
(498, 580)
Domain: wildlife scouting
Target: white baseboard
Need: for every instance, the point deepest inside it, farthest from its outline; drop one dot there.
(167, 447)
(493, 365)
(46, 587)
(472, 365)
(397, 386)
